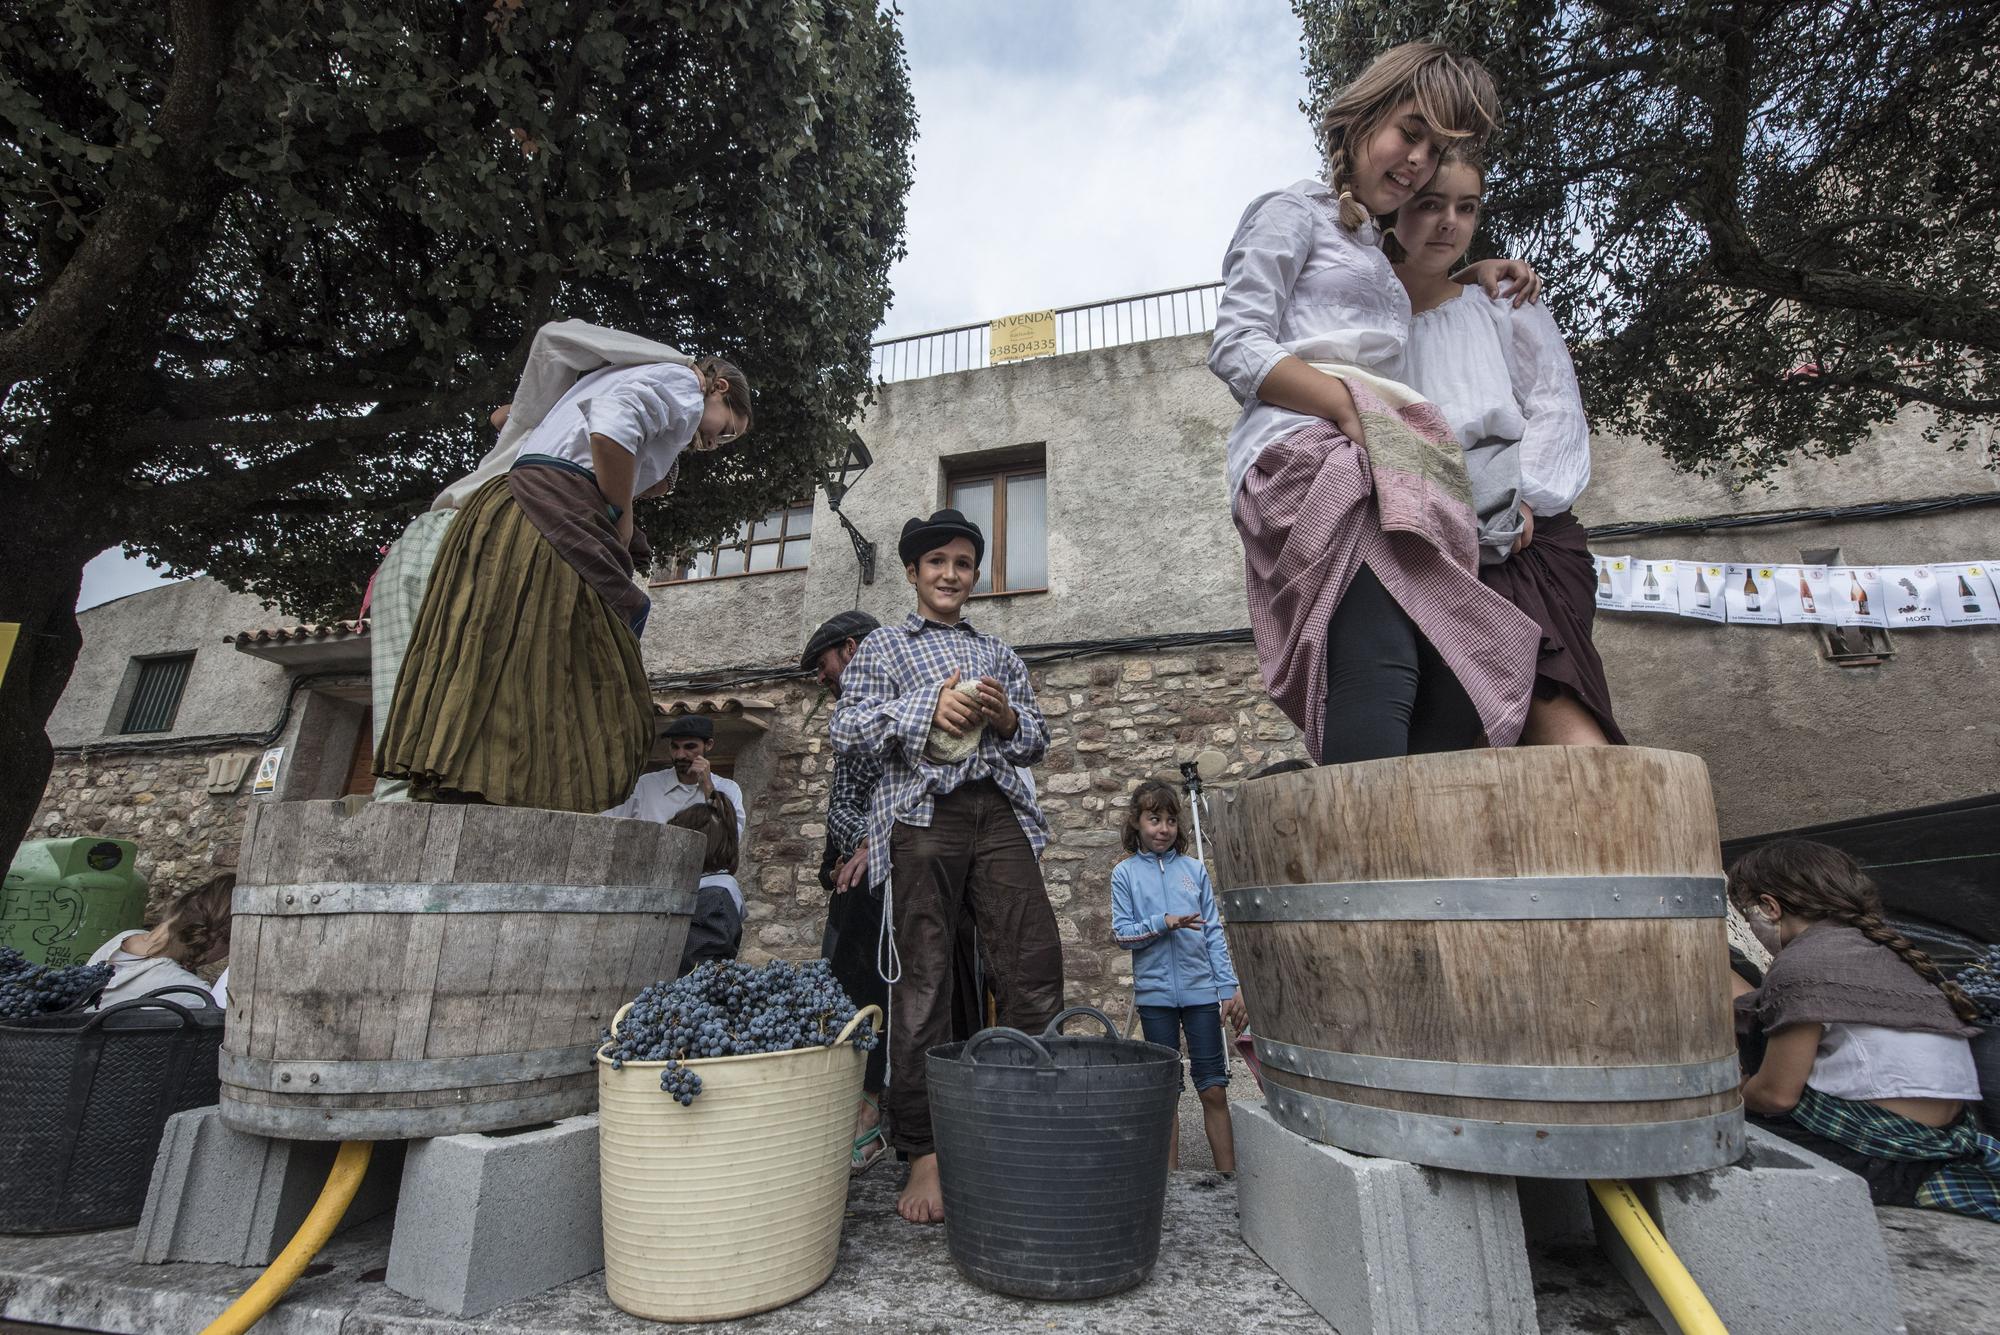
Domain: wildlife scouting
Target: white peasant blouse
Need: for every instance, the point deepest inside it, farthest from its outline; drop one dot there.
(1295, 281)
(1498, 371)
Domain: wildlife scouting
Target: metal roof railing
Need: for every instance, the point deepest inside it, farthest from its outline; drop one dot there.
(1166, 313)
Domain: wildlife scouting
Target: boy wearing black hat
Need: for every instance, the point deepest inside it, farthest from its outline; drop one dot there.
(949, 715)
(663, 794)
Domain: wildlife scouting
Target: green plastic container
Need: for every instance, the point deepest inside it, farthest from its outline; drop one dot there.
(66, 897)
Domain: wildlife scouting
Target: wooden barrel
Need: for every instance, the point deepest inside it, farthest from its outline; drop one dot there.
(1498, 961)
(417, 970)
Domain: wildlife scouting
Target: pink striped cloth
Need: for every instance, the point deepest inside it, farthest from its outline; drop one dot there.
(1315, 506)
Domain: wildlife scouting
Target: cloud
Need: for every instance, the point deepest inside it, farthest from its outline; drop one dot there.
(1079, 152)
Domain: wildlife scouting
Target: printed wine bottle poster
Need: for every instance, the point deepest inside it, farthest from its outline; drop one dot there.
(1614, 583)
(1703, 590)
(1752, 593)
(1857, 596)
(1804, 597)
(1910, 597)
(1965, 594)
(1655, 586)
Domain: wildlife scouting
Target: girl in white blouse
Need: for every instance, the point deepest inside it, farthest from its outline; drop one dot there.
(1374, 648)
(1503, 379)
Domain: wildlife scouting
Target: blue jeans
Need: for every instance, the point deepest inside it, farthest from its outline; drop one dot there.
(1203, 1026)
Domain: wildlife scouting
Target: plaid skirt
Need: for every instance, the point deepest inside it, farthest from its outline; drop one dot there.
(1967, 1179)
(521, 686)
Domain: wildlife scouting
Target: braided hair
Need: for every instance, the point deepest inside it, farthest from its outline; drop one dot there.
(1813, 880)
(198, 923)
(1453, 93)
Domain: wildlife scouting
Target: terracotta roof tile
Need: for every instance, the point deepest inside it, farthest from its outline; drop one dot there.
(321, 630)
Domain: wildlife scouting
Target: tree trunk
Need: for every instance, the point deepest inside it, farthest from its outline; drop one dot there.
(39, 593)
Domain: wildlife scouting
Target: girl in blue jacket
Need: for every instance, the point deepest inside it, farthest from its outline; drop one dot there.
(1163, 911)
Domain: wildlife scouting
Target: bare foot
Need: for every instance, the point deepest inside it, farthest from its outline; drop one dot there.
(922, 1201)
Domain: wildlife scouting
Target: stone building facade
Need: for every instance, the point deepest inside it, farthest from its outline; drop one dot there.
(1133, 634)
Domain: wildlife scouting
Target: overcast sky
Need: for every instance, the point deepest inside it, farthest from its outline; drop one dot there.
(1067, 151)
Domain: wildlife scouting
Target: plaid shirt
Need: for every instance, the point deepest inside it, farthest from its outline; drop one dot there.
(847, 805)
(888, 697)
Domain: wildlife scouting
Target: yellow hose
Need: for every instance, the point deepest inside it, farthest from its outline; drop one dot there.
(1671, 1280)
(349, 1167)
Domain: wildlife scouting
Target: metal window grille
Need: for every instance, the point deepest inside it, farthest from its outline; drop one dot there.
(157, 697)
(1097, 324)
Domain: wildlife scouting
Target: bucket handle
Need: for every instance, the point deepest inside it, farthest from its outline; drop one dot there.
(140, 1003)
(870, 1013)
(1043, 1058)
(619, 1016)
(1055, 1026)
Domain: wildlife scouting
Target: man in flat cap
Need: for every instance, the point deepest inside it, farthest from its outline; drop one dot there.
(660, 795)
(949, 716)
(853, 904)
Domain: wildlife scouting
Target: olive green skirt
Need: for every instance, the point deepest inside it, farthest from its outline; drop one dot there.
(521, 686)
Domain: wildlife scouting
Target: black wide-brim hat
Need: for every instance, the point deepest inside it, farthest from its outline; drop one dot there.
(836, 631)
(927, 535)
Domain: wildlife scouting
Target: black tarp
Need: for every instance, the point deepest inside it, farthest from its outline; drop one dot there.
(1938, 866)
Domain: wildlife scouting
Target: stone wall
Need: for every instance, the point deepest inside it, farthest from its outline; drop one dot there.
(1114, 720)
(185, 834)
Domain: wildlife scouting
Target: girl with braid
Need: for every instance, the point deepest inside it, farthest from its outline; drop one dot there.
(1866, 1061)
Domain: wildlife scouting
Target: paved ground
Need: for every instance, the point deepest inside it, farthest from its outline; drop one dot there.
(896, 1276)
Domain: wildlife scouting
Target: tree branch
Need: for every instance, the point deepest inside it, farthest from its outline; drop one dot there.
(80, 301)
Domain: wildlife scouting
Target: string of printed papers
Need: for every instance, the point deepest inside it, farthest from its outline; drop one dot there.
(1892, 597)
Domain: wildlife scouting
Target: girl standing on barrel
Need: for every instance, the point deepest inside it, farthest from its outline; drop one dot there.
(523, 685)
(1503, 379)
(1373, 631)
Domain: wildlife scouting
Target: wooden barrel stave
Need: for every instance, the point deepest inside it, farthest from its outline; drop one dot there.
(473, 1000)
(1537, 1004)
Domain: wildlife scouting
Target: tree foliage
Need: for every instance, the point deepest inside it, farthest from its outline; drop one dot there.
(267, 266)
(1769, 227)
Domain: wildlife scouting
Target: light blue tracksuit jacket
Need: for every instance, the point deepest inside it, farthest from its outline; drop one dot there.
(1189, 967)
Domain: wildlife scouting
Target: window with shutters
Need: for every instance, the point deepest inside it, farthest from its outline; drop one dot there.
(156, 697)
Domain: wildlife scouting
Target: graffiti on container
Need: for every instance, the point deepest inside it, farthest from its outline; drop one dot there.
(49, 914)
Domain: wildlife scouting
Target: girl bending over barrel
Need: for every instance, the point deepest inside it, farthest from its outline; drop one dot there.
(523, 684)
(1866, 1061)
(1360, 545)
(1502, 377)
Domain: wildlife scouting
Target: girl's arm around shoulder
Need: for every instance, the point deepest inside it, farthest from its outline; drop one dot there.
(1788, 1060)
(1133, 924)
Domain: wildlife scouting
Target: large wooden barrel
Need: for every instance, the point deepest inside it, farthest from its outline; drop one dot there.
(416, 970)
(1498, 961)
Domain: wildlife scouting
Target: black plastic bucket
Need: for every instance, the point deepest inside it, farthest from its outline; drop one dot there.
(84, 1097)
(1053, 1155)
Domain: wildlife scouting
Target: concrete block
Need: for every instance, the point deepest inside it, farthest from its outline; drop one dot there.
(1379, 1246)
(1781, 1242)
(228, 1196)
(486, 1219)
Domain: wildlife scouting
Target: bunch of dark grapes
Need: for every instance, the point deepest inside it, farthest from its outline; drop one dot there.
(728, 1009)
(29, 989)
(1981, 981)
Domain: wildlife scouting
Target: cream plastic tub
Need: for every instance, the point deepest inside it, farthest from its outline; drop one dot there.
(733, 1205)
